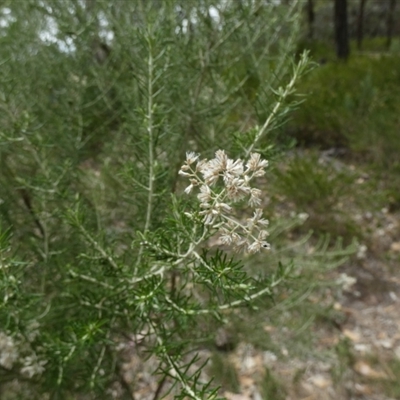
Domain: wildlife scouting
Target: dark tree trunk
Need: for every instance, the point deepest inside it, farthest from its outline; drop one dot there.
(310, 18)
(360, 24)
(341, 30)
(390, 23)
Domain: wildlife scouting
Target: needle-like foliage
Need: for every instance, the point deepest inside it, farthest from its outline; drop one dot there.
(102, 255)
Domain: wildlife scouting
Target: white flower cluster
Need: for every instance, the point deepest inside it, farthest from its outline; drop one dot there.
(216, 202)
(14, 352)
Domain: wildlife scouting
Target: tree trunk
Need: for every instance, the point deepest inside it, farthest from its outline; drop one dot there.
(390, 23)
(360, 24)
(341, 30)
(310, 18)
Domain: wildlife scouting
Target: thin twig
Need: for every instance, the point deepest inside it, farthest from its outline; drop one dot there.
(98, 247)
(159, 387)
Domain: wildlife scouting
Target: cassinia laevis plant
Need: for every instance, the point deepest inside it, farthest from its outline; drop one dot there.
(108, 286)
(216, 201)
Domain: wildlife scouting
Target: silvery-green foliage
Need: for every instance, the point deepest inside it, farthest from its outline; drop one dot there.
(101, 249)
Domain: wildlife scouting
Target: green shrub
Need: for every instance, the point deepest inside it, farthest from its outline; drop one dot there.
(102, 255)
(319, 187)
(355, 105)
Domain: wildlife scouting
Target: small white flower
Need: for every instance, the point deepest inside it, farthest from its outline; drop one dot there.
(257, 219)
(193, 183)
(262, 235)
(257, 215)
(254, 247)
(263, 222)
(224, 207)
(183, 173)
(237, 189)
(221, 159)
(189, 189)
(235, 238)
(240, 245)
(229, 237)
(233, 169)
(226, 239)
(255, 197)
(201, 165)
(260, 172)
(205, 194)
(210, 215)
(257, 245)
(191, 157)
(210, 173)
(255, 163)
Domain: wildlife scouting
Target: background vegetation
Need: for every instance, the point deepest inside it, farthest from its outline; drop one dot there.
(100, 101)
